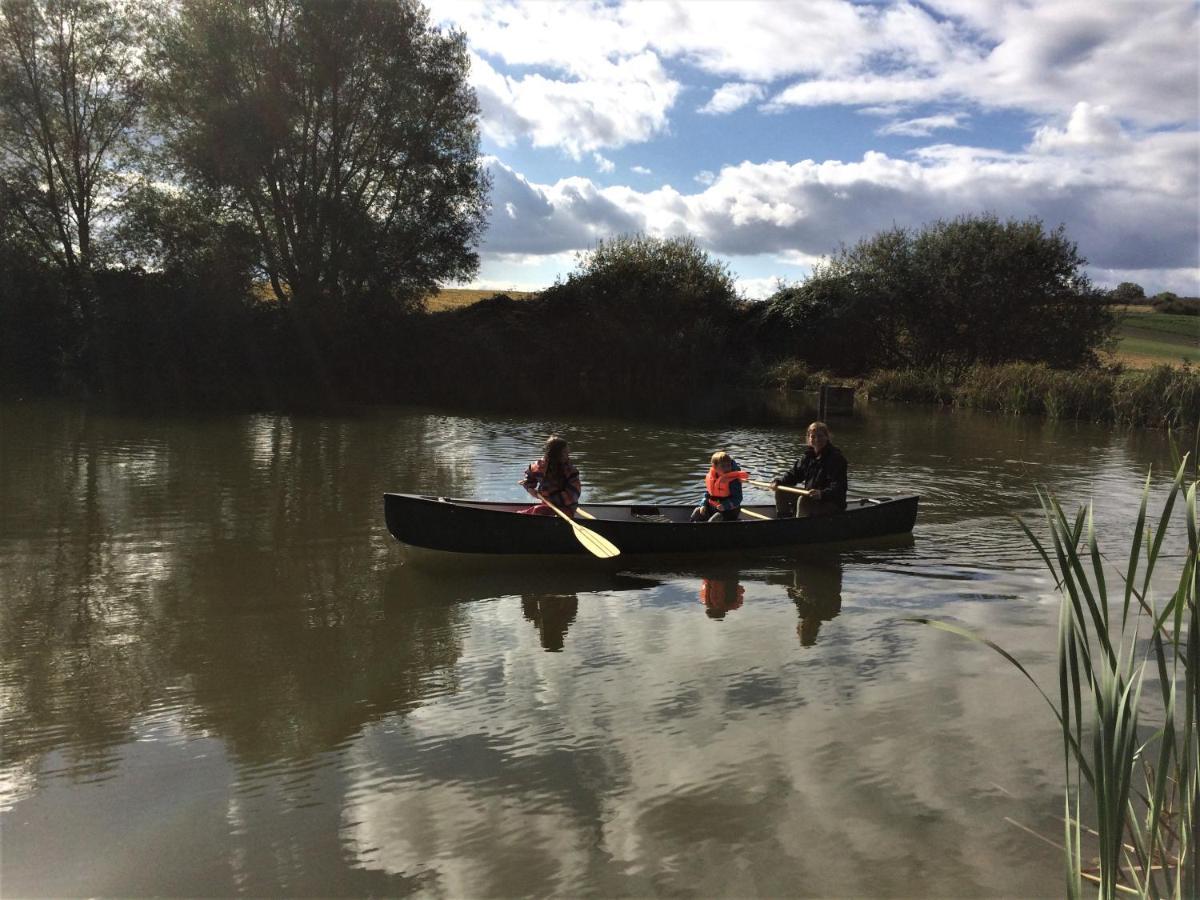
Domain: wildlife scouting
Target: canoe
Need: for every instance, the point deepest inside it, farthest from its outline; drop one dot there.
(473, 526)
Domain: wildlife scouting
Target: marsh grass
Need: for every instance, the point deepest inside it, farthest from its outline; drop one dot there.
(1161, 397)
(1113, 639)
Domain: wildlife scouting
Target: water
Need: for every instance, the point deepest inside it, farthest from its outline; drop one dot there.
(219, 675)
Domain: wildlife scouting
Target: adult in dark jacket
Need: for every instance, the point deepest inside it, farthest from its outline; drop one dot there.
(822, 470)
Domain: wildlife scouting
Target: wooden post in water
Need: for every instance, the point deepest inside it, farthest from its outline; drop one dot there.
(835, 400)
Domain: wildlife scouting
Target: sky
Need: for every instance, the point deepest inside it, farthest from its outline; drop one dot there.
(775, 133)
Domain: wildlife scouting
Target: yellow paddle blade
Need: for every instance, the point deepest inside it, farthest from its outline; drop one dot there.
(596, 544)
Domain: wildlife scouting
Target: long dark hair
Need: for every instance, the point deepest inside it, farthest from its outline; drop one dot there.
(555, 454)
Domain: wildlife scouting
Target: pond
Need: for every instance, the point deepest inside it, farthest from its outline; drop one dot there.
(220, 675)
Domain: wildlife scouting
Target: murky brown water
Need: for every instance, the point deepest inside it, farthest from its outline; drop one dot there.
(219, 675)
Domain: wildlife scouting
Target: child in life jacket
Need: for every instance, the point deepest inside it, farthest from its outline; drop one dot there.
(722, 491)
(554, 478)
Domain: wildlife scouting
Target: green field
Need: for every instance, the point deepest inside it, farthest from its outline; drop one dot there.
(1148, 337)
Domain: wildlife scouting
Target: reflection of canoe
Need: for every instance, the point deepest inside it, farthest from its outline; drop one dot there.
(470, 526)
(413, 587)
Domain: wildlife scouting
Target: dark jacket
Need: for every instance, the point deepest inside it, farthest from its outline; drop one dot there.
(828, 473)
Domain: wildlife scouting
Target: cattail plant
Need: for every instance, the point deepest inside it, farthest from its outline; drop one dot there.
(1142, 778)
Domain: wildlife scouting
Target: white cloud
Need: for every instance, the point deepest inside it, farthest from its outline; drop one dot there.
(760, 41)
(732, 96)
(704, 176)
(640, 170)
(603, 163)
(1184, 282)
(569, 215)
(625, 102)
(1139, 60)
(922, 127)
(1090, 127)
(1132, 211)
(863, 90)
(757, 288)
(587, 75)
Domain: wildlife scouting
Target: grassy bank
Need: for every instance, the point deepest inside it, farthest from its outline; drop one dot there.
(1163, 396)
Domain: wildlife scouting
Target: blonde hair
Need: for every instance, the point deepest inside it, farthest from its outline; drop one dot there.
(721, 457)
(816, 427)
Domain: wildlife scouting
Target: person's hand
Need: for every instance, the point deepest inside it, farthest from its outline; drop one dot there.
(815, 494)
(774, 483)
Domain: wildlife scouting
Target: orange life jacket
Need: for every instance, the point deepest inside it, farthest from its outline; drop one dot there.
(716, 484)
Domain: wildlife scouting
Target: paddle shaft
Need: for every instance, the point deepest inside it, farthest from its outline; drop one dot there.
(780, 487)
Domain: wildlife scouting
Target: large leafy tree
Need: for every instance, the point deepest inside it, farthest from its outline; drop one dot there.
(71, 90)
(342, 135)
(957, 292)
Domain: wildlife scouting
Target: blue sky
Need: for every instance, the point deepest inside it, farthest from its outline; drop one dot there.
(775, 132)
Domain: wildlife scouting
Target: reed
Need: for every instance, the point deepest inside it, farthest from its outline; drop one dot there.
(1162, 397)
(1143, 777)
(912, 385)
(794, 375)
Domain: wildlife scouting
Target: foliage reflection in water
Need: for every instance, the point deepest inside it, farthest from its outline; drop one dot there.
(213, 656)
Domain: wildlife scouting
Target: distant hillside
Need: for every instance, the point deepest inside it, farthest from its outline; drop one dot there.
(1148, 337)
(457, 298)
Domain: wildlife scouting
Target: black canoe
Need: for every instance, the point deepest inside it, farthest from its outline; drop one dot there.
(470, 526)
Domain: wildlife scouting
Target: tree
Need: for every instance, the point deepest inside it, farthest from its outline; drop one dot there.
(1127, 292)
(343, 136)
(992, 291)
(972, 289)
(71, 89)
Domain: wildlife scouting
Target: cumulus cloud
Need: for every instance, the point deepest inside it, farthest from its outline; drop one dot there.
(1089, 127)
(588, 75)
(640, 170)
(1138, 60)
(757, 288)
(732, 96)
(603, 163)
(569, 215)
(1136, 211)
(922, 127)
(625, 103)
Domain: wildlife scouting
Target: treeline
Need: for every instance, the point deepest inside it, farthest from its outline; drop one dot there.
(1131, 294)
(247, 203)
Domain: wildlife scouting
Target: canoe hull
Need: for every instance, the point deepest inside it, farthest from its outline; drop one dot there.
(464, 526)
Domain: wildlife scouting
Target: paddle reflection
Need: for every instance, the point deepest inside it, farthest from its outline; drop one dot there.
(411, 587)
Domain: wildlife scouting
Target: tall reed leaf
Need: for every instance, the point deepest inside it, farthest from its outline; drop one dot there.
(1146, 837)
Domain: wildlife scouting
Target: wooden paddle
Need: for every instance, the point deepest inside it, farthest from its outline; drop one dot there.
(781, 487)
(752, 514)
(595, 544)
